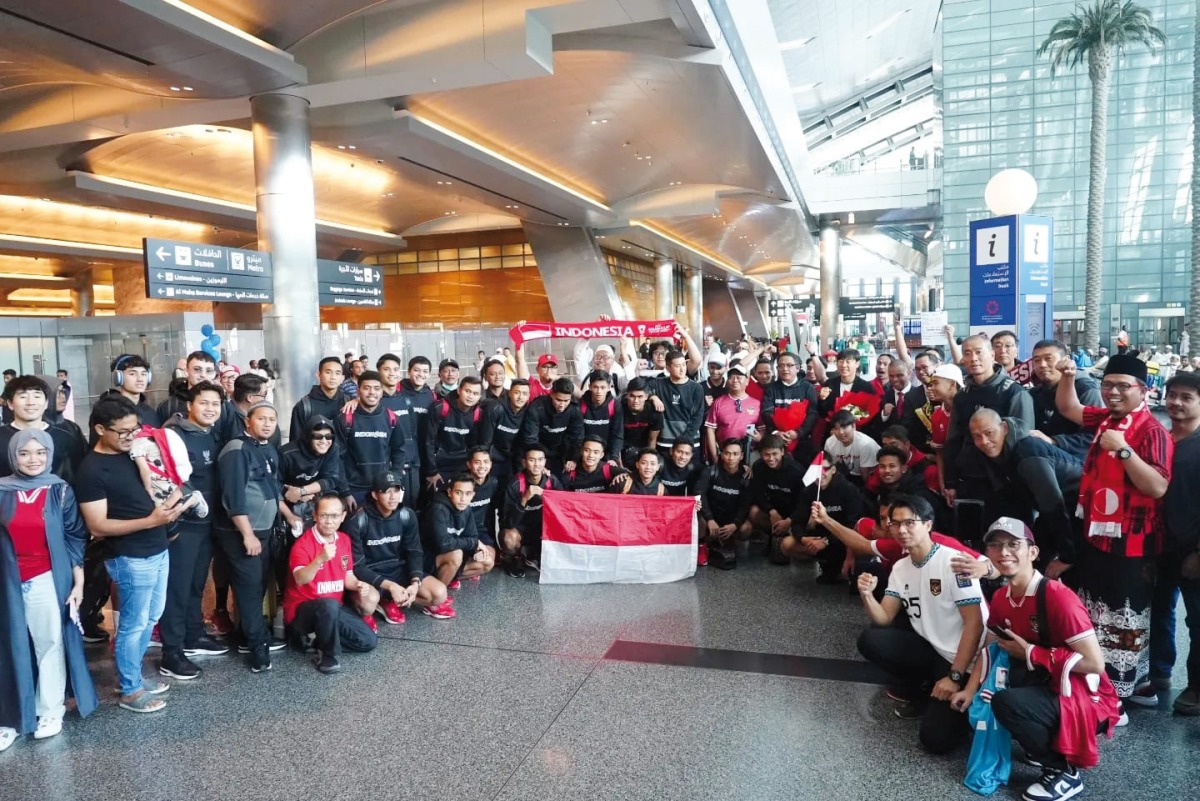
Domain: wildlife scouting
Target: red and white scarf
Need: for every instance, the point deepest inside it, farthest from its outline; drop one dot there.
(1102, 488)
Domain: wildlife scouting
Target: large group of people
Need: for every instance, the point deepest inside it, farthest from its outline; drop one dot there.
(977, 503)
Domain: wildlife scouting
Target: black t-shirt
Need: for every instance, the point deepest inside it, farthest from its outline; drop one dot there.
(115, 477)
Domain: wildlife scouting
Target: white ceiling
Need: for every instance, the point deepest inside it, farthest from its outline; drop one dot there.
(840, 62)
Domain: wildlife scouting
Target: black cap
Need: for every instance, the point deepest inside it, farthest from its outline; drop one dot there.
(385, 481)
(447, 363)
(1126, 364)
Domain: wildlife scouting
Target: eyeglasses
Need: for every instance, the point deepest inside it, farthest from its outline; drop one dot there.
(908, 523)
(127, 434)
(259, 395)
(337, 516)
(1119, 386)
(1012, 546)
(323, 437)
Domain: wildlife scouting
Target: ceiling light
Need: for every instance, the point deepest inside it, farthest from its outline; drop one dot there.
(188, 89)
(444, 183)
(881, 27)
(174, 88)
(35, 277)
(388, 194)
(796, 44)
(449, 214)
(598, 122)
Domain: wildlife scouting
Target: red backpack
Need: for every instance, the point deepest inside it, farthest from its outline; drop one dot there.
(391, 418)
(612, 406)
(444, 410)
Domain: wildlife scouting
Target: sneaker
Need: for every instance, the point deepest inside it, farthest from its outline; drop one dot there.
(775, 554)
(273, 644)
(220, 623)
(829, 577)
(206, 646)
(454, 585)
(899, 695)
(47, 727)
(7, 737)
(1055, 785)
(94, 636)
(533, 564)
(392, 613)
(260, 660)
(443, 612)
(702, 555)
(1144, 695)
(515, 568)
(909, 710)
(327, 663)
(1123, 716)
(178, 666)
(371, 624)
(1188, 702)
(155, 638)
(722, 557)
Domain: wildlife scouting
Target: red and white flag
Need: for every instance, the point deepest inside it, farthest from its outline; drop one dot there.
(815, 470)
(589, 538)
(600, 329)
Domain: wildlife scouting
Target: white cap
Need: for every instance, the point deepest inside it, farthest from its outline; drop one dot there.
(604, 349)
(717, 358)
(950, 372)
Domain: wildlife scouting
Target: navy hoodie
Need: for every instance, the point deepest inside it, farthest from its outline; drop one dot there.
(371, 443)
(560, 433)
(314, 403)
(607, 426)
(449, 433)
(385, 548)
(445, 529)
(724, 496)
(506, 434)
(411, 406)
(299, 464)
(776, 488)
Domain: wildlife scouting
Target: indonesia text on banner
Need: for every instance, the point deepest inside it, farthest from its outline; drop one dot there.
(601, 329)
(620, 539)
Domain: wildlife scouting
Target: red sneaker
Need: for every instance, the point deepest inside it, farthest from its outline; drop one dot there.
(454, 585)
(371, 624)
(474, 578)
(449, 600)
(702, 555)
(443, 612)
(392, 613)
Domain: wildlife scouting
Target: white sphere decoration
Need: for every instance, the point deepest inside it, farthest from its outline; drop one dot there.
(1011, 191)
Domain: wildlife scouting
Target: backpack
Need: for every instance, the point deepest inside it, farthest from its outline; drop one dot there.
(606, 468)
(390, 414)
(444, 410)
(584, 406)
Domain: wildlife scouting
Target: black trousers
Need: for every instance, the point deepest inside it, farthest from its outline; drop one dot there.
(917, 666)
(248, 580)
(182, 622)
(333, 625)
(1031, 715)
(96, 585)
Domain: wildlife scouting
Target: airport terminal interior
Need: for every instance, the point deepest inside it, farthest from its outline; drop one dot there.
(287, 181)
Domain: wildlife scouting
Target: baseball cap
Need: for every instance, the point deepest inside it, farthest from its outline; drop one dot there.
(230, 369)
(951, 372)
(716, 358)
(447, 363)
(385, 481)
(736, 367)
(1012, 527)
(547, 358)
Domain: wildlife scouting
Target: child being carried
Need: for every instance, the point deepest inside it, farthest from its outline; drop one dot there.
(162, 461)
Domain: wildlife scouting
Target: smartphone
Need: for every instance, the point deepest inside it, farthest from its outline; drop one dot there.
(1000, 632)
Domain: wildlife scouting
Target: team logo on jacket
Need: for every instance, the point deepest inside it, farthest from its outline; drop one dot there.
(345, 562)
(935, 587)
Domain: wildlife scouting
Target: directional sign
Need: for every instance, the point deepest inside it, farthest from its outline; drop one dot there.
(341, 283)
(196, 271)
(781, 307)
(860, 307)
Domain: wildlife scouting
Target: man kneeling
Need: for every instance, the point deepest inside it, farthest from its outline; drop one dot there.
(449, 540)
(323, 597)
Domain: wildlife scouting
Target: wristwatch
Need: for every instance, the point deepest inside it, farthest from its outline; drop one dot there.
(1125, 453)
(958, 677)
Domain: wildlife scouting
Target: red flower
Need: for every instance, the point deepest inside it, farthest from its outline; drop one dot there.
(863, 405)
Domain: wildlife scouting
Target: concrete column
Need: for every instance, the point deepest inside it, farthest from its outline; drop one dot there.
(664, 289)
(83, 296)
(287, 228)
(831, 281)
(695, 304)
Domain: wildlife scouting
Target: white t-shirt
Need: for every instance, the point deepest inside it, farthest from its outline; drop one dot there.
(855, 458)
(931, 594)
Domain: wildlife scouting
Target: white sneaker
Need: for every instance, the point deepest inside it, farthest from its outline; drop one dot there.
(47, 727)
(7, 737)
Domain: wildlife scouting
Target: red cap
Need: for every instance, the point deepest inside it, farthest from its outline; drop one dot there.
(547, 358)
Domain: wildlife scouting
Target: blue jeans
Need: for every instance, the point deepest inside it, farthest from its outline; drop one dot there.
(142, 587)
(1168, 586)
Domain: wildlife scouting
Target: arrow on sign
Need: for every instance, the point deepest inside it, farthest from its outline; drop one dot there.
(162, 253)
(160, 276)
(160, 290)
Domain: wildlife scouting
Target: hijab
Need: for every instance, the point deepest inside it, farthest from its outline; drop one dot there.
(20, 481)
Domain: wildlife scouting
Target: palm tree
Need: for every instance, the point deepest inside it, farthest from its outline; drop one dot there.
(1097, 34)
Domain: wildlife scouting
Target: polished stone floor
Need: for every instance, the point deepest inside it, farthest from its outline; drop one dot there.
(529, 694)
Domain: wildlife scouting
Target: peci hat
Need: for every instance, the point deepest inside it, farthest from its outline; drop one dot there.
(605, 349)
(950, 372)
(1126, 364)
(547, 358)
(385, 481)
(1012, 527)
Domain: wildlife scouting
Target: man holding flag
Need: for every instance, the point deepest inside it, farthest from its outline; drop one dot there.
(843, 502)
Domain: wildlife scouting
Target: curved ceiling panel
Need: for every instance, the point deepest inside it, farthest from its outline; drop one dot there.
(285, 22)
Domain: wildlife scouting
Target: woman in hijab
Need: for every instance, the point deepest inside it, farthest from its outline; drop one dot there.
(41, 585)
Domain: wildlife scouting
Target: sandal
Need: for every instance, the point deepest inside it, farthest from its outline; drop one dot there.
(154, 687)
(142, 701)
(7, 737)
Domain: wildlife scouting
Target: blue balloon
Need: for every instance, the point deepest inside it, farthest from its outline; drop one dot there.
(206, 329)
(210, 342)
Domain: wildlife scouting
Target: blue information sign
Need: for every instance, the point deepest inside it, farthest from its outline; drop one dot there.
(1012, 277)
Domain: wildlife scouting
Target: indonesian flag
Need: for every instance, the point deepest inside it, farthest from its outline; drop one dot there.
(589, 538)
(863, 405)
(601, 329)
(815, 470)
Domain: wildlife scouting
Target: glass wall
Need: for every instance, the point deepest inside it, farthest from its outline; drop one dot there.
(1003, 108)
